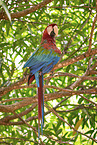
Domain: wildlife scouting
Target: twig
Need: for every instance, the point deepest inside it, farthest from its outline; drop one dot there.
(76, 83)
(88, 100)
(76, 108)
(16, 138)
(58, 74)
(10, 117)
(77, 49)
(90, 41)
(5, 90)
(64, 7)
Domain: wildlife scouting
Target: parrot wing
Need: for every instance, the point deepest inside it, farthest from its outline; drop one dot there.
(42, 59)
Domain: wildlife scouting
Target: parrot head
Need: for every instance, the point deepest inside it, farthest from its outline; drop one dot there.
(50, 31)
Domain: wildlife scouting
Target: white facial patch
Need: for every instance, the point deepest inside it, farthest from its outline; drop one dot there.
(56, 30)
(49, 29)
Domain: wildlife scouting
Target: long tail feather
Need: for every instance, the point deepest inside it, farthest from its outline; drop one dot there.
(40, 105)
(42, 108)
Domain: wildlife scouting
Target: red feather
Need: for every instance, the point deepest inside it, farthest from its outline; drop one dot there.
(30, 79)
(45, 33)
(40, 103)
(48, 45)
(50, 41)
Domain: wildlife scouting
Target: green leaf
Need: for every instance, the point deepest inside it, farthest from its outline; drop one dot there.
(7, 28)
(89, 132)
(80, 32)
(55, 2)
(54, 128)
(29, 133)
(77, 125)
(6, 9)
(58, 131)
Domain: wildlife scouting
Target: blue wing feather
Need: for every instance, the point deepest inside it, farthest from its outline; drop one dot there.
(37, 78)
(41, 60)
(30, 59)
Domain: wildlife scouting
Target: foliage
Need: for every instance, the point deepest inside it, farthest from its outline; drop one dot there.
(70, 88)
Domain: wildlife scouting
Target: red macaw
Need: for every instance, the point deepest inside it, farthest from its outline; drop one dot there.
(41, 62)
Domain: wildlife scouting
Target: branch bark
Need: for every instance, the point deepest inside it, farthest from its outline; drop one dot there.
(75, 59)
(47, 97)
(23, 80)
(11, 117)
(26, 11)
(90, 41)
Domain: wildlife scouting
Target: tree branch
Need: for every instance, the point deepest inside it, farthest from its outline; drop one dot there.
(75, 59)
(26, 11)
(11, 117)
(47, 97)
(23, 80)
(90, 41)
(64, 7)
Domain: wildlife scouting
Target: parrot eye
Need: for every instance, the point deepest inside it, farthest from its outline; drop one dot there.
(52, 34)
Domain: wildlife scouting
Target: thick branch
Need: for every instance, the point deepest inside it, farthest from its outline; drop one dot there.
(47, 97)
(26, 11)
(11, 117)
(5, 90)
(75, 59)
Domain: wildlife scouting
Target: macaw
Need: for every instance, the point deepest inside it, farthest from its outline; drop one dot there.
(41, 62)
